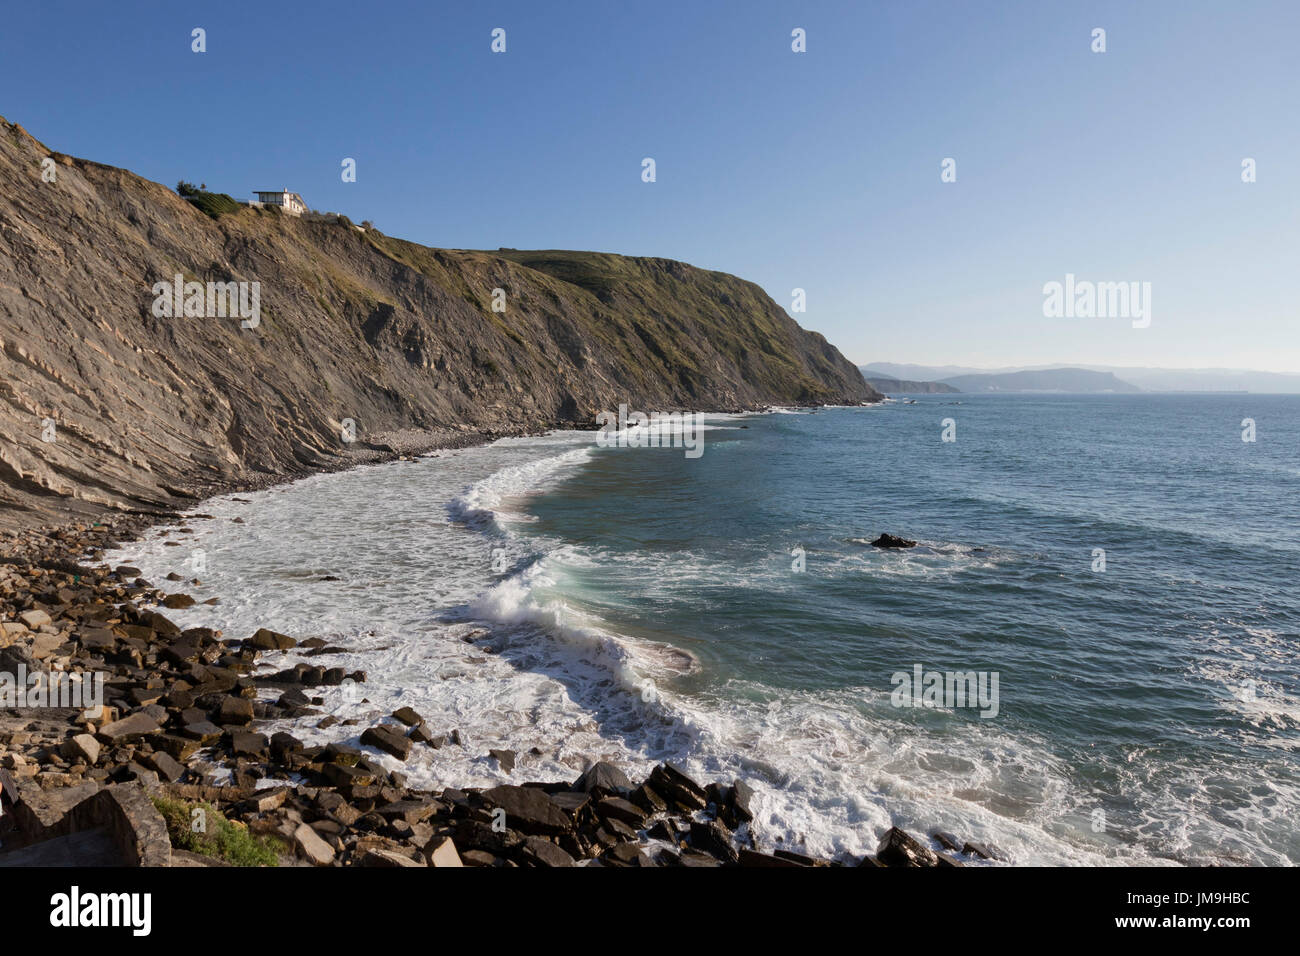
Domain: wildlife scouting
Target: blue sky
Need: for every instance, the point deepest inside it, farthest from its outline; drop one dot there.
(818, 170)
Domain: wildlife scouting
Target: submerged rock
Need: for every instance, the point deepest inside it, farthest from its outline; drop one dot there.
(892, 541)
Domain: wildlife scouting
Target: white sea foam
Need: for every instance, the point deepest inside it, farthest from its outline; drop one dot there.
(410, 545)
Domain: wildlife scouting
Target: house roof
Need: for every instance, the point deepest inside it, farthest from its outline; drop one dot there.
(279, 192)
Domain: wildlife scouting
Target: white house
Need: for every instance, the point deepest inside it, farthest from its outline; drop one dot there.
(291, 203)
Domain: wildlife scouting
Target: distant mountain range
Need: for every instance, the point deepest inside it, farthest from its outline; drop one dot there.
(894, 386)
(1035, 380)
(1044, 380)
(1126, 379)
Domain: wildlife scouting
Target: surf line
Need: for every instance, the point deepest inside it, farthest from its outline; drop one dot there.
(656, 430)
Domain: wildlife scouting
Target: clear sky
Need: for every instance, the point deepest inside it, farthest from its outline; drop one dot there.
(817, 170)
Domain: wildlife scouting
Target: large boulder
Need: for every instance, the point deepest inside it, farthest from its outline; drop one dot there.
(81, 747)
(529, 810)
(603, 776)
(898, 848)
(130, 727)
(385, 738)
(713, 838)
(268, 640)
(312, 848)
(543, 852)
(443, 853)
(675, 786)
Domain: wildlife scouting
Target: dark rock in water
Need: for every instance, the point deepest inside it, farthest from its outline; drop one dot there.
(897, 848)
(422, 734)
(388, 740)
(603, 776)
(293, 697)
(984, 851)
(674, 785)
(268, 640)
(946, 840)
(715, 839)
(735, 808)
(891, 541)
(505, 758)
(178, 601)
(408, 716)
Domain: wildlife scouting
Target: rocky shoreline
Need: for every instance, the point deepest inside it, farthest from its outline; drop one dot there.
(179, 729)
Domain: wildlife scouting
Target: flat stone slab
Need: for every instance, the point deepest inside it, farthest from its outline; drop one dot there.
(129, 727)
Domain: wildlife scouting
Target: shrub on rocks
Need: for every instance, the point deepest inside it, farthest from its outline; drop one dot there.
(218, 837)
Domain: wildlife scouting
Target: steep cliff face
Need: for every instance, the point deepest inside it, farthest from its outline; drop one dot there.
(103, 403)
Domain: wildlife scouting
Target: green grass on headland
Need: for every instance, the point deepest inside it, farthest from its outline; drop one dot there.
(211, 204)
(215, 836)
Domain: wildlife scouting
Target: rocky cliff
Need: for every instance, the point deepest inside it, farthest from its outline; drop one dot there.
(104, 403)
